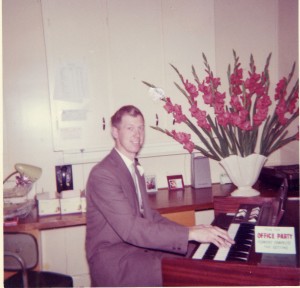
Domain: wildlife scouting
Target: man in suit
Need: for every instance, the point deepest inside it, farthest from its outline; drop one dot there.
(126, 239)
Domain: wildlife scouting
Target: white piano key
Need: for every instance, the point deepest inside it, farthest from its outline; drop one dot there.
(233, 228)
(222, 253)
(201, 251)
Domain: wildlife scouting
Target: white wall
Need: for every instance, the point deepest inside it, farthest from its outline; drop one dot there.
(255, 26)
(288, 51)
(27, 125)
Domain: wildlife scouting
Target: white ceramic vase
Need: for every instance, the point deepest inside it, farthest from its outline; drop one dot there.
(244, 172)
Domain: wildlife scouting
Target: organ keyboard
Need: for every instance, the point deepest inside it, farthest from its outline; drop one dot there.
(242, 234)
(241, 230)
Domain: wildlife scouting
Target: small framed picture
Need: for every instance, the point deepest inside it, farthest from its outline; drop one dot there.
(151, 183)
(175, 182)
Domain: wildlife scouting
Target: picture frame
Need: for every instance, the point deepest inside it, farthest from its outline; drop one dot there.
(151, 184)
(175, 182)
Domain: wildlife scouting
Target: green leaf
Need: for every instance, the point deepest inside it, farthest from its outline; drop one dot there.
(149, 85)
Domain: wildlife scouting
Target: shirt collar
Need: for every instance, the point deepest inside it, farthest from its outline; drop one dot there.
(128, 162)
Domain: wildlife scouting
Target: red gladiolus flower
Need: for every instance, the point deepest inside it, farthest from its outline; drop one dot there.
(253, 84)
(200, 115)
(224, 118)
(246, 126)
(235, 79)
(235, 103)
(215, 82)
(280, 110)
(260, 116)
(178, 115)
(168, 106)
(293, 102)
(262, 109)
(208, 98)
(263, 102)
(235, 119)
(185, 139)
(219, 97)
(219, 108)
(189, 146)
(244, 114)
(239, 119)
(203, 88)
(280, 90)
(236, 90)
(191, 88)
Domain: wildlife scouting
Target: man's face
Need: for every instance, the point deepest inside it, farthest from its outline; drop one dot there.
(129, 136)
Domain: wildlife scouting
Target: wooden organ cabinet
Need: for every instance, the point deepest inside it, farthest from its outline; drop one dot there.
(255, 269)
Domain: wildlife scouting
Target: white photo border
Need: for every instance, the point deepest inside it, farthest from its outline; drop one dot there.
(151, 184)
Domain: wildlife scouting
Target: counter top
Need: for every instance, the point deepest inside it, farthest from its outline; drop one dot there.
(163, 201)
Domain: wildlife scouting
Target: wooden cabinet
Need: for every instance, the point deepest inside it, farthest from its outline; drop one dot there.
(63, 251)
(186, 218)
(77, 60)
(99, 52)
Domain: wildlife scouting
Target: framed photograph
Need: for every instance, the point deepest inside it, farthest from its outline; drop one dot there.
(175, 182)
(151, 183)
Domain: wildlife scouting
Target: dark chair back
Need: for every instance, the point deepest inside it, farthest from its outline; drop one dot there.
(21, 254)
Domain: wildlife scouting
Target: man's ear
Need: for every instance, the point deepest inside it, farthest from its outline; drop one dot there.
(114, 132)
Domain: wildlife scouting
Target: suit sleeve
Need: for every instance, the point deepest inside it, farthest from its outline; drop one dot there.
(106, 192)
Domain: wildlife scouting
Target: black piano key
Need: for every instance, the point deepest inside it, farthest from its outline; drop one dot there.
(245, 233)
(243, 259)
(243, 241)
(234, 255)
(241, 238)
(237, 258)
(244, 226)
(240, 247)
(211, 252)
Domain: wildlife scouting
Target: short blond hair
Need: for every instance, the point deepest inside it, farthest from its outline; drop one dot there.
(125, 110)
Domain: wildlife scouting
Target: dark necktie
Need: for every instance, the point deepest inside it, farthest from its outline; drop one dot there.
(135, 173)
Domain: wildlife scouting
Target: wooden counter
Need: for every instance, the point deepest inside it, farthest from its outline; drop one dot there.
(188, 200)
(178, 205)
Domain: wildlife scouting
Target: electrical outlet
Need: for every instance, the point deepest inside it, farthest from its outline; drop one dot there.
(64, 178)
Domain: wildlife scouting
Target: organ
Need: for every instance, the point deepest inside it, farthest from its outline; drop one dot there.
(240, 265)
(241, 231)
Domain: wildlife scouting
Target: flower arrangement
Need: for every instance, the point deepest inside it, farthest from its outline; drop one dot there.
(239, 123)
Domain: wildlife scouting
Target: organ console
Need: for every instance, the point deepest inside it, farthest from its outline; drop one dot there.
(240, 265)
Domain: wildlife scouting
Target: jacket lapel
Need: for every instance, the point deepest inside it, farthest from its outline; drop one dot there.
(126, 179)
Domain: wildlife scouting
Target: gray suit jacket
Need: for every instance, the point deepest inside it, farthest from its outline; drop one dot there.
(123, 247)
